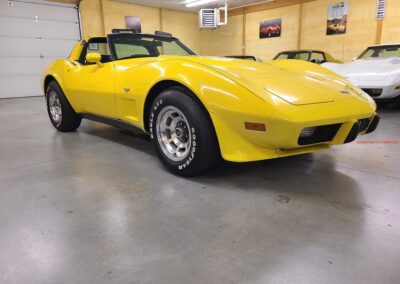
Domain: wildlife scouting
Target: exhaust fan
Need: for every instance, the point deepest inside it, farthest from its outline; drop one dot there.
(211, 18)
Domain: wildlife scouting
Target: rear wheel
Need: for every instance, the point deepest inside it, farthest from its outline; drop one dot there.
(182, 133)
(61, 114)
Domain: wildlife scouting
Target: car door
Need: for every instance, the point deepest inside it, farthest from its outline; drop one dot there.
(132, 53)
(90, 86)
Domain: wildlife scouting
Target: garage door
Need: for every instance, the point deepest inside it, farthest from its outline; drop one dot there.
(32, 34)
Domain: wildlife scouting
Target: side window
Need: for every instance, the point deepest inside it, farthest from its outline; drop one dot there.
(130, 51)
(283, 56)
(317, 57)
(96, 45)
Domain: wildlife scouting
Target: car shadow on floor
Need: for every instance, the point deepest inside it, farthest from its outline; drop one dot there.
(298, 174)
(260, 213)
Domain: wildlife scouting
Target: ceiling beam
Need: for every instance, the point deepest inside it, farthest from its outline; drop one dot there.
(264, 6)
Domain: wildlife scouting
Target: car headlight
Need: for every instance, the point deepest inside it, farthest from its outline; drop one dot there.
(368, 98)
(362, 94)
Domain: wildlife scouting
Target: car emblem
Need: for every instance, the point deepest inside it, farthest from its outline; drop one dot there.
(345, 92)
(126, 90)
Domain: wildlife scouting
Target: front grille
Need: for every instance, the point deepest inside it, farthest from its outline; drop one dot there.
(324, 133)
(373, 92)
(363, 124)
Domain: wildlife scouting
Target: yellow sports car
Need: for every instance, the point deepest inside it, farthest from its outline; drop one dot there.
(199, 109)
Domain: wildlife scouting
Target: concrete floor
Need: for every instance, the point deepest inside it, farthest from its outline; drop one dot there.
(96, 206)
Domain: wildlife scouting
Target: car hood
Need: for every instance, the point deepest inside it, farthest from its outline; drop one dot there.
(264, 80)
(373, 69)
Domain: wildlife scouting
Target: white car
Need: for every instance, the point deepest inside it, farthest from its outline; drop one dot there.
(376, 71)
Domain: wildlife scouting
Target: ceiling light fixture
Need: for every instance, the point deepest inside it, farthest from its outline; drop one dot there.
(252, 4)
(199, 3)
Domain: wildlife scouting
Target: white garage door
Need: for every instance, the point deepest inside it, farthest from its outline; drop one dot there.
(32, 34)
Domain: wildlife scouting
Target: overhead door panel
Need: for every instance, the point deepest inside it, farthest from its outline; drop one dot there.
(23, 27)
(41, 9)
(35, 48)
(23, 66)
(32, 35)
(19, 86)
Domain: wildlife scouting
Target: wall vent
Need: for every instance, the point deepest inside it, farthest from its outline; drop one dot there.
(211, 18)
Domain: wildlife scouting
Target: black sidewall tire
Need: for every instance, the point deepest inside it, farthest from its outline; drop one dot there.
(70, 120)
(204, 151)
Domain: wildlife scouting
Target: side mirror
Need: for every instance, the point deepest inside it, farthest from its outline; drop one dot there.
(94, 58)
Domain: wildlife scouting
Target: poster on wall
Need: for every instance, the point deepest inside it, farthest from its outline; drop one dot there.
(133, 23)
(380, 9)
(270, 28)
(337, 18)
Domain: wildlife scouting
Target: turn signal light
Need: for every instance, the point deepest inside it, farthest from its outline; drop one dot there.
(254, 126)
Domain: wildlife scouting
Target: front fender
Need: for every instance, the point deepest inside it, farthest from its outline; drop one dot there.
(228, 103)
(54, 69)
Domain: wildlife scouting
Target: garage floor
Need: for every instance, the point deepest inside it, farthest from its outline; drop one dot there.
(96, 206)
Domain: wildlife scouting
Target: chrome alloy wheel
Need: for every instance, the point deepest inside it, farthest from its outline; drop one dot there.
(173, 133)
(55, 107)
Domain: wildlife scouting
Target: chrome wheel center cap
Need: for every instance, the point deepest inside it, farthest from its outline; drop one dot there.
(173, 133)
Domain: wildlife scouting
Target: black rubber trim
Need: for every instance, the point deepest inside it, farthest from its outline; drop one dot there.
(374, 124)
(363, 123)
(353, 133)
(111, 121)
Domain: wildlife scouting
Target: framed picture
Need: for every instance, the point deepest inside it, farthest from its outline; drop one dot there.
(271, 28)
(337, 18)
(132, 22)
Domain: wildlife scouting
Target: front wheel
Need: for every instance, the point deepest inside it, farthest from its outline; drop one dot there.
(182, 133)
(61, 114)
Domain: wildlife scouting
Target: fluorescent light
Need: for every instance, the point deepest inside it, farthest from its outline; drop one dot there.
(252, 4)
(199, 3)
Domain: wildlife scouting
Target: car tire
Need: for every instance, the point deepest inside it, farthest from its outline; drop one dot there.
(60, 112)
(182, 133)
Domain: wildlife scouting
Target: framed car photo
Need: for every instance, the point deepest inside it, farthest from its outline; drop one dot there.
(271, 28)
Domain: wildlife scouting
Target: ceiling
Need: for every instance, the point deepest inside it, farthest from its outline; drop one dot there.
(179, 4)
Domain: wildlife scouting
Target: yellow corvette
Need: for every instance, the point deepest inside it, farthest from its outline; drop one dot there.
(199, 109)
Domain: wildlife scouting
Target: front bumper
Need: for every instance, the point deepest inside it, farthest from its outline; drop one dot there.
(281, 137)
(382, 92)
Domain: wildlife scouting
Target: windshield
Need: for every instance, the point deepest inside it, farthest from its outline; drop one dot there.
(381, 52)
(301, 55)
(124, 46)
